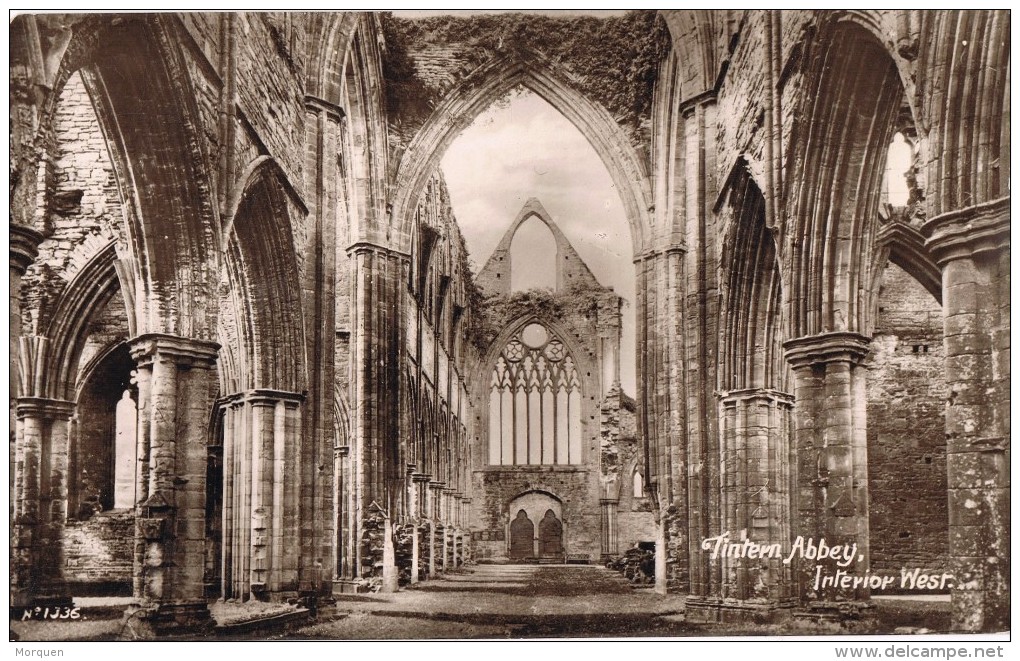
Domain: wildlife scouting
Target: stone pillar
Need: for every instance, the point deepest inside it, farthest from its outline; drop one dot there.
(260, 517)
(40, 507)
(467, 540)
(24, 249)
(450, 531)
(323, 177)
(379, 274)
(660, 554)
(170, 520)
(420, 512)
(971, 246)
(831, 483)
(415, 550)
(344, 541)
(435, 494)
(610, 540)
(755, 457)
(389, 578)
(271, 446)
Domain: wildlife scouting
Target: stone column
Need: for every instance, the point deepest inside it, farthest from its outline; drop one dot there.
(450, 531)
(971, 246)
(280, 475)
(831, 484)
(420, 513)
(378, 277)
(344, 538)
(24, 249)
(260, 518)
(610, 541)
(415, 550)
(390, 579)
(755, 456)
(40, 507)
(435, 494)
(170, 521)
(467, 550)
(660, 553)
(323, 176)
(261, 485)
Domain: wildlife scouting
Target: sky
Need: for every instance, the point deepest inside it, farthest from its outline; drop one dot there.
(525, 148)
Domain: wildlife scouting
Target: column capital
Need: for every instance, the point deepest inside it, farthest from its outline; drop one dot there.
(267, 397)
(316, 105)
(419, 478)
(969, 231)
(184, 351)
(706, 98)
(748, 394)
(25, 242)
(666, 249)
(44, 408)
(437, 486)
(826, 348)
(369, 247)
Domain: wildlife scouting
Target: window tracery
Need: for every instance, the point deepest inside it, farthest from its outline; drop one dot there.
(534, 401)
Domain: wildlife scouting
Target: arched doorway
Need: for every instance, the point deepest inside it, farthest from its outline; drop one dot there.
(522, 535)
(536, 528)
(550, 536)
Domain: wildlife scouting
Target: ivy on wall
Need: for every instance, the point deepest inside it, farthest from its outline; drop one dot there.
(500, 310)
(614, 60)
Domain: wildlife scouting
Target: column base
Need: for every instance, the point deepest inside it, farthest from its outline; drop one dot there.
(347, 586)
(838, 616)
(153, 622)
(737, 611)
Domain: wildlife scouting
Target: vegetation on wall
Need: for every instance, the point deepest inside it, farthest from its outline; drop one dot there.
(614, 60)
(498, 310)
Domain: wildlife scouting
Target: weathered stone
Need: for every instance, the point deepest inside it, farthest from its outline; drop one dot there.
(251, 203)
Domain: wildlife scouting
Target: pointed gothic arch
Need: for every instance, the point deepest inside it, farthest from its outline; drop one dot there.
(495, 276)
(146, 106)
(478, 91)
(261, 264)
(536, 384)
(838, 172)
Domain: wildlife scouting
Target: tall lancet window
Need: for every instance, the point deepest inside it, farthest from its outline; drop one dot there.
(534, 402)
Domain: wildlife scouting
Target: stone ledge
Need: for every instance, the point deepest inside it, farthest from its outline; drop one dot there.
(967, 232)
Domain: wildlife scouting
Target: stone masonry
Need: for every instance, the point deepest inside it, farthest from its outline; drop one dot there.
(239, 219)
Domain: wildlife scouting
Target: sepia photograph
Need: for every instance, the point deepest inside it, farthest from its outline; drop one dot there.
(663, 325)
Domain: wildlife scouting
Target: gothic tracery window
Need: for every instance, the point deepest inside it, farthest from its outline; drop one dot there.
(534, 401)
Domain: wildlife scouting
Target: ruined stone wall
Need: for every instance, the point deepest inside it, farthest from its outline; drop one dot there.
(79, 203)
(634, 519)
(743, 95)
(906, 430)
(582, 311)
(612, 60)
(98, 553)
(576, 487)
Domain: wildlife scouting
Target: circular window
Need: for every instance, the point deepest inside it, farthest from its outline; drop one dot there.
(555, 351)
(514, 351)
(534, 335)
